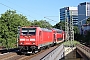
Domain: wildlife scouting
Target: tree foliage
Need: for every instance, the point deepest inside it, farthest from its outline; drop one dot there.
(76, 30)
(41, 23)
(88, 21)
(87, 38)
(60, 25)
(9, 21)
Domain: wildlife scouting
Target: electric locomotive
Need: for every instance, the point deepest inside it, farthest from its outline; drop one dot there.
(34, 38)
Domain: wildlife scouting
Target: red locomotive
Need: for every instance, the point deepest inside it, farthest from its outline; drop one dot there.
(35, 38)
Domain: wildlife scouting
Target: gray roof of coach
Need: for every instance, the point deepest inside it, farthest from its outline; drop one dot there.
(45, 29)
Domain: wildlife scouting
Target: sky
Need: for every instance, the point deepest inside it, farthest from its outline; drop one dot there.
(38, 9)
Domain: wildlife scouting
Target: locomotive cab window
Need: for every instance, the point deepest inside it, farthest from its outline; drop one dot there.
(28, 31)
(24, 32)
(32, 31)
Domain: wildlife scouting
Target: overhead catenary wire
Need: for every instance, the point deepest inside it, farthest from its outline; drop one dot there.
(33, 12)
(21, 7)
(51, 16)
(51, 19)
(27, 10)
(16, 10)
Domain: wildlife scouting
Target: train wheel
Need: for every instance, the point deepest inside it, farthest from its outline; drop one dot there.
(48, 46)
(24, 53)
(39, 50)
(33, 51)
(19, 53)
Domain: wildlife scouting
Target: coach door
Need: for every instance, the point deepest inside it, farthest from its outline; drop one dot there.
(40, 37)
(54, 37)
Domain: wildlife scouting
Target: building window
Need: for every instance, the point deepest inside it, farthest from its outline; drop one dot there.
(88, 7)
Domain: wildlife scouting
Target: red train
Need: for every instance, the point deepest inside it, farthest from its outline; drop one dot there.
(35, 38)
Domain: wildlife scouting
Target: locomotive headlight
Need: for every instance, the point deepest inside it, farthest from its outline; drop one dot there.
(21, 43)
(22, 39)
(32, 39)
(28, 36)
(33, 43)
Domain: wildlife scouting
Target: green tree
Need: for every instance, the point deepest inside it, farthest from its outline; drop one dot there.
(60, 25)
(88, 21)
(87, 38)
(9, 21)
(76, 30)
(41, 23)
(77, 35)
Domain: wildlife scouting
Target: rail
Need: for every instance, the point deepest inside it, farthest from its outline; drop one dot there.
(8, 50)
(55, 54)
(84, 49)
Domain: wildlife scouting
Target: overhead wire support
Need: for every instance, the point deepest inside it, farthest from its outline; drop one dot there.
(66, 26)
(71, 29)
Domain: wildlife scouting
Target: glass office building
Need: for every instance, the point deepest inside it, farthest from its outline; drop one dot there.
(83, 14)
(69, 11)
(83, 11)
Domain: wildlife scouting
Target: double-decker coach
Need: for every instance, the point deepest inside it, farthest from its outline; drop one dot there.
(59, 35)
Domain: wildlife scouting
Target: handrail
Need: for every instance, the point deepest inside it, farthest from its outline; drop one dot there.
(84, 49)
(54, 53)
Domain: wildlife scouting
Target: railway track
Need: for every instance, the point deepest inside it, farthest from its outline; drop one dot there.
(6, 56)
(37, 56)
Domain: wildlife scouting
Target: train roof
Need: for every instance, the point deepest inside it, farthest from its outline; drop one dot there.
(45, 29)
(57, 29)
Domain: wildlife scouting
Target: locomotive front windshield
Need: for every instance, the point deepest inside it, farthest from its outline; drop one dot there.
(28, 31)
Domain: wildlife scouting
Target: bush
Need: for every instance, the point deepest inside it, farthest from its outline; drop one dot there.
(71, 43)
